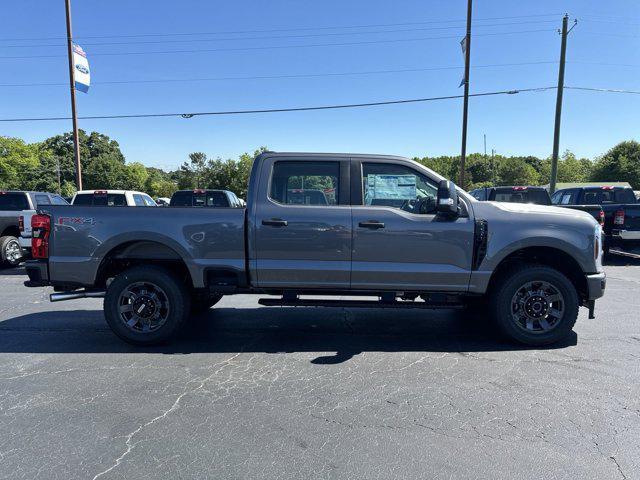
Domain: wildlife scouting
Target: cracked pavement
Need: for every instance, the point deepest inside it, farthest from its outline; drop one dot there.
(258, 392)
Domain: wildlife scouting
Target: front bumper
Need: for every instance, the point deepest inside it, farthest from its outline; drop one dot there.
(38, 273)
(596, 284)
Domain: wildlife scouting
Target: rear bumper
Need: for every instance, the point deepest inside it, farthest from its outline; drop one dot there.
(596, 283)
(25, 242)
(38, 273)
(626, 234)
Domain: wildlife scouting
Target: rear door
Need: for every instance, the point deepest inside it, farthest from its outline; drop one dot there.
(399, 243)
(303, 241)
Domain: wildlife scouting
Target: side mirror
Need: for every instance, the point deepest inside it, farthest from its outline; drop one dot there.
(447, 202)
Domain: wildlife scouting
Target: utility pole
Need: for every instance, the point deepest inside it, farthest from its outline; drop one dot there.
(484, 136)
(58, 172)
(556, 129)
(72, 84)
(465, 108)
(493, 165)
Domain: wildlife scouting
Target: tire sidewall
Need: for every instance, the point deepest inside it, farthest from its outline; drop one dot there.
(504, 295)
(176, 295)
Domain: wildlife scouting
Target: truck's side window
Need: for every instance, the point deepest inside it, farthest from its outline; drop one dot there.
(305, 183)
(398, 186)
(564, 197)
(13, 201)
(43, 200)
(138, 200)
(57, 200)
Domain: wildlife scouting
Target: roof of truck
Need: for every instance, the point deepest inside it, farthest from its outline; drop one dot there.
(311, 156)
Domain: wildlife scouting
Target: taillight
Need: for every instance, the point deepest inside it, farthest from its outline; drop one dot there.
(21, 223)
(41, 228)
(601, 218)
(618, 218)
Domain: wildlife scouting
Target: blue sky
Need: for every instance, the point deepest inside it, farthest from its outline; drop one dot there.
(607, 33)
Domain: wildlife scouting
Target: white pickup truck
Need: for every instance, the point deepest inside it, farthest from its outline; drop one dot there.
(101, 198)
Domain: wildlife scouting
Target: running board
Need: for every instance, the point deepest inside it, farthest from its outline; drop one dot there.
(281, 302)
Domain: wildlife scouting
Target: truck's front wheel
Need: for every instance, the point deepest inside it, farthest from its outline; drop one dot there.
(535, 305)
(146, 305)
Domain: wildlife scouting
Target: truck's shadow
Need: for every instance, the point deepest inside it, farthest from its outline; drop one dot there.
(340, 333)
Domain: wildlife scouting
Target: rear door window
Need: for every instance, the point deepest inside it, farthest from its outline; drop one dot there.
(305, 183)
(13, 201)
(138, 200)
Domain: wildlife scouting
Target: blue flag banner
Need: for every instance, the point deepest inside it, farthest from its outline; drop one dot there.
(81, 72)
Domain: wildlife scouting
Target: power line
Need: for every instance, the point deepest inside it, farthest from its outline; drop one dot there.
(607, 90)
(278, 47)
(274, 37)
(298, 29)
(271, 77)
(279, 110)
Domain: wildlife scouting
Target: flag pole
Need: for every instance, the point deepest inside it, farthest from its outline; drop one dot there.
(76, 140)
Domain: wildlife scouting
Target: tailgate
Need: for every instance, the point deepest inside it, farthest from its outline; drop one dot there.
(632, 217)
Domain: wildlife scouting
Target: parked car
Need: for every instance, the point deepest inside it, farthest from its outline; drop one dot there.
(12, 203)
(205, 198)
(618, 205)
(518, 194)
(113, 198)
(163, 201)
(439, 248)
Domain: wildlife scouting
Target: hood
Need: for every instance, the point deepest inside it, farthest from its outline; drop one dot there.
(532, 212)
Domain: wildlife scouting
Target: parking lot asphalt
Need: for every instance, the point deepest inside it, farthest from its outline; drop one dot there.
(258, 392)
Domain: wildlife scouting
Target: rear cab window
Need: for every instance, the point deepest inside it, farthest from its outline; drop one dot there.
(101, 199)
(13, 201)
(305, 183)
(200, 198)
(565, 197)
(522, 195)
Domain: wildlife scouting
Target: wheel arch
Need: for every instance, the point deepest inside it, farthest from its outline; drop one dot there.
(552, 257)
(141, 252)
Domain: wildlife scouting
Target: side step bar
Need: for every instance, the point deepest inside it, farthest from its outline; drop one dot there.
(281, 302)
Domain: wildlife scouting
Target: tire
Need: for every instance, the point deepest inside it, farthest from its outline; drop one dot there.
(202, 303)
(10, 251)
(146, 305)
(535, 305)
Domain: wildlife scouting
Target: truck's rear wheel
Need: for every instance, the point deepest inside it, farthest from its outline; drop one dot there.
(146, 305)
(10, 251)
(535, 305)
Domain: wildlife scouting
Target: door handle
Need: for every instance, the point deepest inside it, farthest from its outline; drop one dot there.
(372, 224)
(275, 222)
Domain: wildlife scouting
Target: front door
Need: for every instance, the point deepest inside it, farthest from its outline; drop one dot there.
(399, 243)
(303, 224)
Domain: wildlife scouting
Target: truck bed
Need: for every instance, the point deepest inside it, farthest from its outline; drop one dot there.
(203, 238)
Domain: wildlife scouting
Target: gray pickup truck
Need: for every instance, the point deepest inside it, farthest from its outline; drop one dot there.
(388, 232)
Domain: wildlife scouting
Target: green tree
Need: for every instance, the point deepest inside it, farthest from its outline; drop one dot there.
(620, 164)
(514, 171)
(18, 161)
